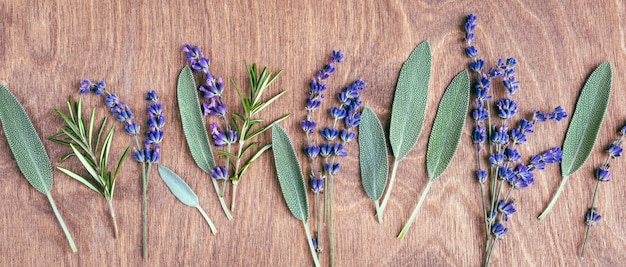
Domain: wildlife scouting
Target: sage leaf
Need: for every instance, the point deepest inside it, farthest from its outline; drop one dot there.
(194, 129)
(291, 181)
(408, 109)
(181, 190)
(585, 124)
(448, 125)
(193, 124)
(410, 101)
(445, 135)
(289, 174)
(373, 155)
(28, 150)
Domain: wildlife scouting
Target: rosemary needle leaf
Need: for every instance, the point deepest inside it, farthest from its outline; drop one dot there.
(585, 124)
(28, 150)
(193, 124)
(289, 174)
(410, 101)
(373, 155)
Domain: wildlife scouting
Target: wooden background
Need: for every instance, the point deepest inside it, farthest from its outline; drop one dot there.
(47, 47)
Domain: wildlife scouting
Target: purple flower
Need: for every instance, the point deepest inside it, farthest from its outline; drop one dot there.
(152, 96)
(506, 208)
(338, 150)
(496, 159)
(512, 155)
(338, 113)
(312, 151)
(313, 104)
(194, 54)
(326, 150)
(480, 114)
(506, 108)
(317, 184)
(111, 100)
(615, 151)
(517, 136)
(329, 134)
(500, 137)
(332, 169)
(347, 135)
(525, 177)
(592, 217)
(308, 126)
(154, 137)
(336, 56)
(558, 114)
(477, 66)
(525, 126)
(131, 128)
(471, 51)
(603, 174)
(538, 116)
(353, 119)
(219, 173)
(222, 138)
(499, 230)
(479, 135)
(470, 26)
(481, 176)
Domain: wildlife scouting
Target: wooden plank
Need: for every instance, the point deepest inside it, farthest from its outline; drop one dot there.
(47, 47)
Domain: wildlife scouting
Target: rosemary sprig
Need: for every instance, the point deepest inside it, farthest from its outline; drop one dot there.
(92, 152)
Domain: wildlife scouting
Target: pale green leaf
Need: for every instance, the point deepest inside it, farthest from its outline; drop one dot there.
(193, 124)
(587, 119)
(25, 144)
(178, 187)
(410, 101)
(289, 174)
(373, 155)
(448, 126)
(86, 182)
(265, 128)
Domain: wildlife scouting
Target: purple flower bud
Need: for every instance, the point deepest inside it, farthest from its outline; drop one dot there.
(506, 108)
(152, 96)
(326, 150)
(132, 128)
(308, 126)
(506, 208)
(347, 135)
(615, 150)
(499, 230)
(592, 217)
(481, 175)
(603, 174)
(471, 51)
(219, 173)
(332, 169)
(329, 134)
(317, 184)
(312, 151)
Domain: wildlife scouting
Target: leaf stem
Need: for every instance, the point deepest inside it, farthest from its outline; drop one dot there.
(493, 246)
(554, 199)
(221, 199)
(318, 216)
(113, 219)
(232, 200)
(379, 214)
(310, 241)
(207, 219)
(415, 211)
(380, 218)
(593, 202)
(60, 219)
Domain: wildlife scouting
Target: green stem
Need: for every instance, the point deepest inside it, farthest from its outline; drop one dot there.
(221, 199)
(113, 219)
(207, 219)
(144, 190)
(593, 202)
(232, 200)
(493, 246)
(330, 221)
(482, 197)
(58, 215)
(318, 216)
(379, 213)
(380, 218)
(310, 241)
(556, 196)
(415, 211)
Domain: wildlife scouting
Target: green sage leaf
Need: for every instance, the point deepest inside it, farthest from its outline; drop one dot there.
(193, 124)
(28, 151)
(289, 174)
(27, 148)
(178, 187)
(373, 155)
(448, 125)
(183, 192)
(587, 119)
(410, 101)
(584, 127)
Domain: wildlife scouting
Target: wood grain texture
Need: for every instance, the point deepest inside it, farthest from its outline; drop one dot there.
(47, 47)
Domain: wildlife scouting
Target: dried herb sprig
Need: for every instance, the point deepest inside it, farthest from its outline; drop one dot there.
(28, 150)
(602, 174)
(238, 130)
(148, 153)
(504, 168)
(91, 150)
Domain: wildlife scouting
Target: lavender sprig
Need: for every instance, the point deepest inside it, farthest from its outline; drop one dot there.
(147, 154)
(241, 127)
(505, 168)
(602, 174)
(315, 96)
